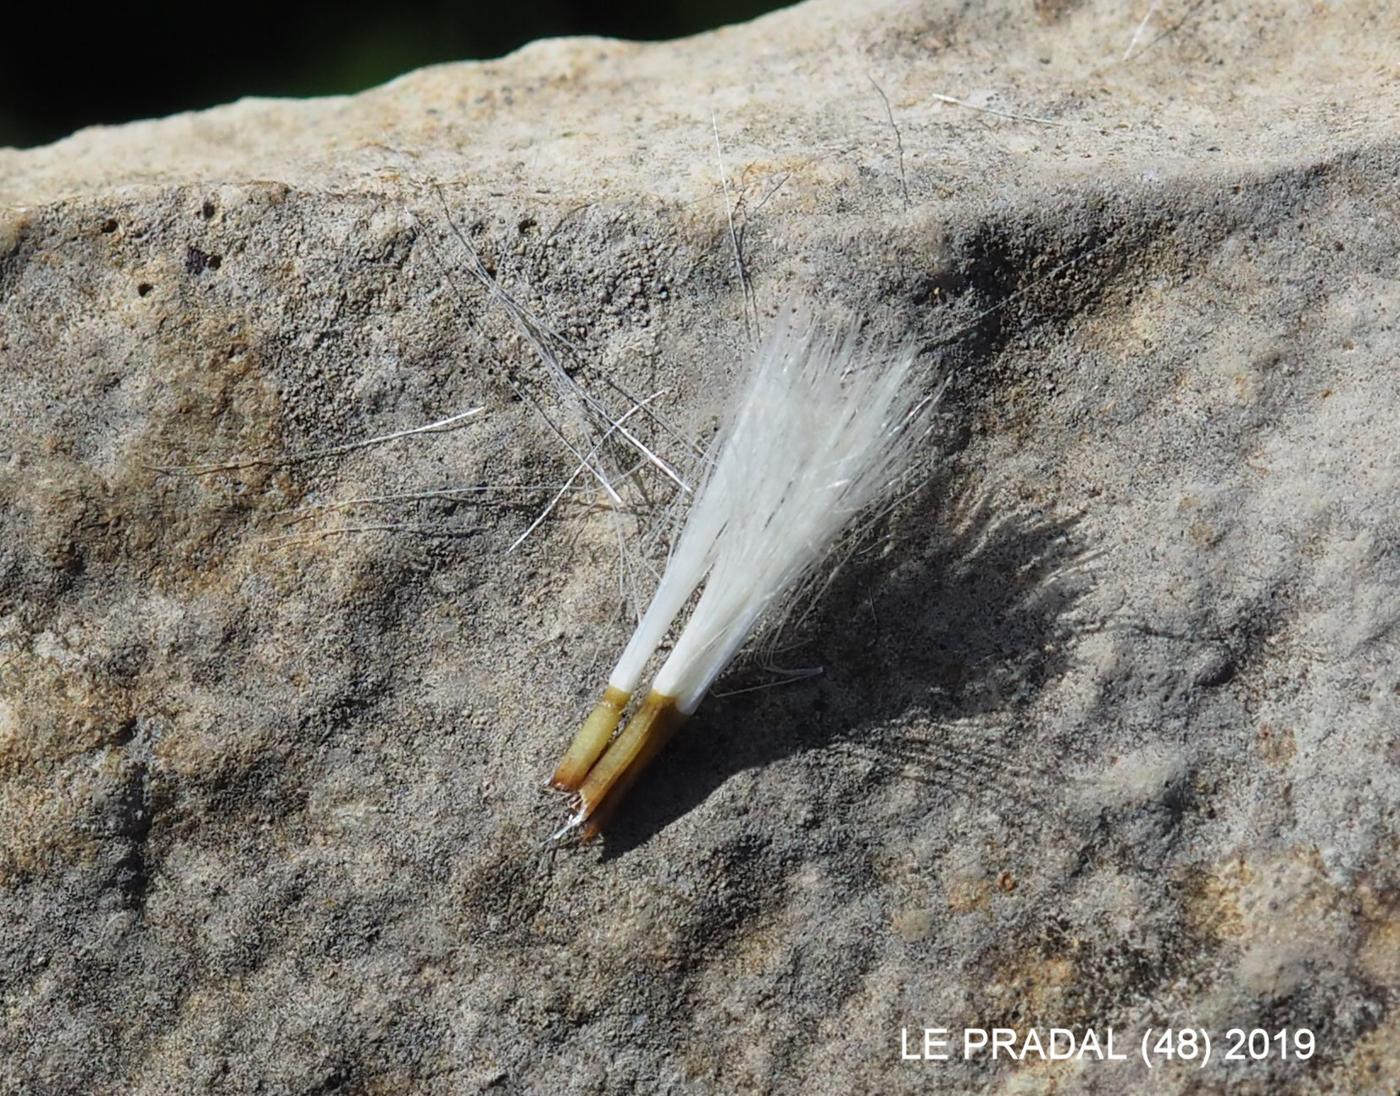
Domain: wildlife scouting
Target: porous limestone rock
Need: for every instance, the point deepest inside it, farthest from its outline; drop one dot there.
(1106, 734)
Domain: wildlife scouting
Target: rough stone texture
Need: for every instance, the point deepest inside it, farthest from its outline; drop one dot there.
(1107, 735)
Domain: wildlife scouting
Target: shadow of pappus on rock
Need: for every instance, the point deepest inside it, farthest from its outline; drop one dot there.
(959, 612)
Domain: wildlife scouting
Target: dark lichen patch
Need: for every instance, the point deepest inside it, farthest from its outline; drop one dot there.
(131, 821)
(198, 261)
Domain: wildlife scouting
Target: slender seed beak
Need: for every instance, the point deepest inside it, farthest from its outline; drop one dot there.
(624, 760)
(591, 740)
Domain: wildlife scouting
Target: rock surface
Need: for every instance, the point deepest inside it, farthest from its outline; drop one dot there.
(1107, 729)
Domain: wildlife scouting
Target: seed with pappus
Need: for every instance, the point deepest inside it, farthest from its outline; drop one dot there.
(823, 429)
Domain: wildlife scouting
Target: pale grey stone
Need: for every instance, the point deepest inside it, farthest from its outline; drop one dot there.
(1106, 736)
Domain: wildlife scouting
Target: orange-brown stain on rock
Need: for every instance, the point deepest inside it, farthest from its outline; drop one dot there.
(1275, 744)
(967, 895)
(1379, 955)
(69, 691)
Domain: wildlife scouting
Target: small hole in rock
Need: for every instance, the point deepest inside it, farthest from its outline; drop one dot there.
(109, 225)
(144, 288)
(207, 210)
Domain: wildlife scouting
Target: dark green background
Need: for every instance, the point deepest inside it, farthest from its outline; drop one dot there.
(70, 67)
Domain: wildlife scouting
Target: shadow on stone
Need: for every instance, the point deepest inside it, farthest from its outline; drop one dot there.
(958, 611)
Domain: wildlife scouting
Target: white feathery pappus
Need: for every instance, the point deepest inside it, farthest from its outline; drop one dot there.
(822, 430)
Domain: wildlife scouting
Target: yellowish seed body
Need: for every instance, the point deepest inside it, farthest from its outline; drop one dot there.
(591, 740)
